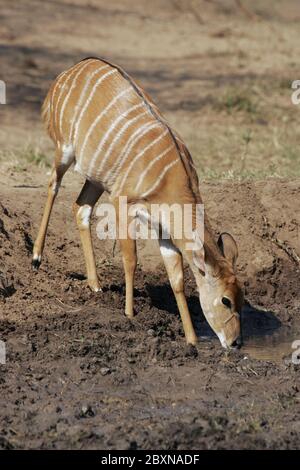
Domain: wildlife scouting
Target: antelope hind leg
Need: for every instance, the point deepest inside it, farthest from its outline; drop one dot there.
(53, 187)
(82, 209)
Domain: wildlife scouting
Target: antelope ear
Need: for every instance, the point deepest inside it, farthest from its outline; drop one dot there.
(228, 247)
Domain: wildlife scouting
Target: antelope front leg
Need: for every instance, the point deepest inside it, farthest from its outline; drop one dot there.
(129, 257)
(128, 248)
(174, 266)
(83, 208)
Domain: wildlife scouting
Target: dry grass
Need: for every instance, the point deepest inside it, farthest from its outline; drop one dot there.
(247, 132)
(220, 74)
(21, 159)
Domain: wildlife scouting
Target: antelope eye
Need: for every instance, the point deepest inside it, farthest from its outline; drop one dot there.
(226, 302)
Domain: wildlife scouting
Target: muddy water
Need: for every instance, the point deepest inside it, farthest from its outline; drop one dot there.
(273, 346)
(264, 336)
(276, 346)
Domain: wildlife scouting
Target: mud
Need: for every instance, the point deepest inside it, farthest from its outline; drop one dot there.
(80, 375)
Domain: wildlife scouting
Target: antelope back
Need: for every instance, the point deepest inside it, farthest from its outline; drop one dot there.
(97, 112)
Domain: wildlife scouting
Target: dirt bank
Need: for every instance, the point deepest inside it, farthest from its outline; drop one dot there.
(80, 375)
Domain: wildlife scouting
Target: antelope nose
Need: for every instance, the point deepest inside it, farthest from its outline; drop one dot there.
(237, 343)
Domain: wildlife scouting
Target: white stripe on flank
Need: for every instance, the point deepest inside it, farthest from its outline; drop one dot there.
(138, 156)
(71, 72)
(98, 82)
(121, 132)
(52, 104)
(82, 95)
(74, 83)
(150, 165)
(60, 76)
(100, 116)
(136, 136)
(160, 178)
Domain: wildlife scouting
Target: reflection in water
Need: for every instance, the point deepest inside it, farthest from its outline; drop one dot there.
(264, 337)
(274, 347)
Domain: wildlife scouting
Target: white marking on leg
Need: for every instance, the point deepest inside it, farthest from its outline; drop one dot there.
(150, 165)
(160, 178)
(84, 216)
(167, 248)
(68, 154)
(139, 155)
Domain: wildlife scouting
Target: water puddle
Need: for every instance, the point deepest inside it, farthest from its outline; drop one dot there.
(276, 346)
(264, 336)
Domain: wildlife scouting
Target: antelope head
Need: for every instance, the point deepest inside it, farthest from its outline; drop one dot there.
(221, 297)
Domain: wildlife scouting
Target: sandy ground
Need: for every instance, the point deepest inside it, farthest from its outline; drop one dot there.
(78, 373)
(213, 71)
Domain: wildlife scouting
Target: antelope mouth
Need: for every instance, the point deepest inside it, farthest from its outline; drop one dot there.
(236, 344)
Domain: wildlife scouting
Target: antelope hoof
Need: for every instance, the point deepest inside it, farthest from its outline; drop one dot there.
(129, 315)
(36, 262)
(191, 351)
(94, 286)
(192, 341)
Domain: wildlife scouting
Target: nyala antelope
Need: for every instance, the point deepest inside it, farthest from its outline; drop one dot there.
(101, 120)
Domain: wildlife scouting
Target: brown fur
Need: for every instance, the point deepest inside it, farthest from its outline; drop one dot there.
(98, 117)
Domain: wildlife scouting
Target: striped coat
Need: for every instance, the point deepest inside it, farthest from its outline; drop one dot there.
(102, 121)
(97, 115)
